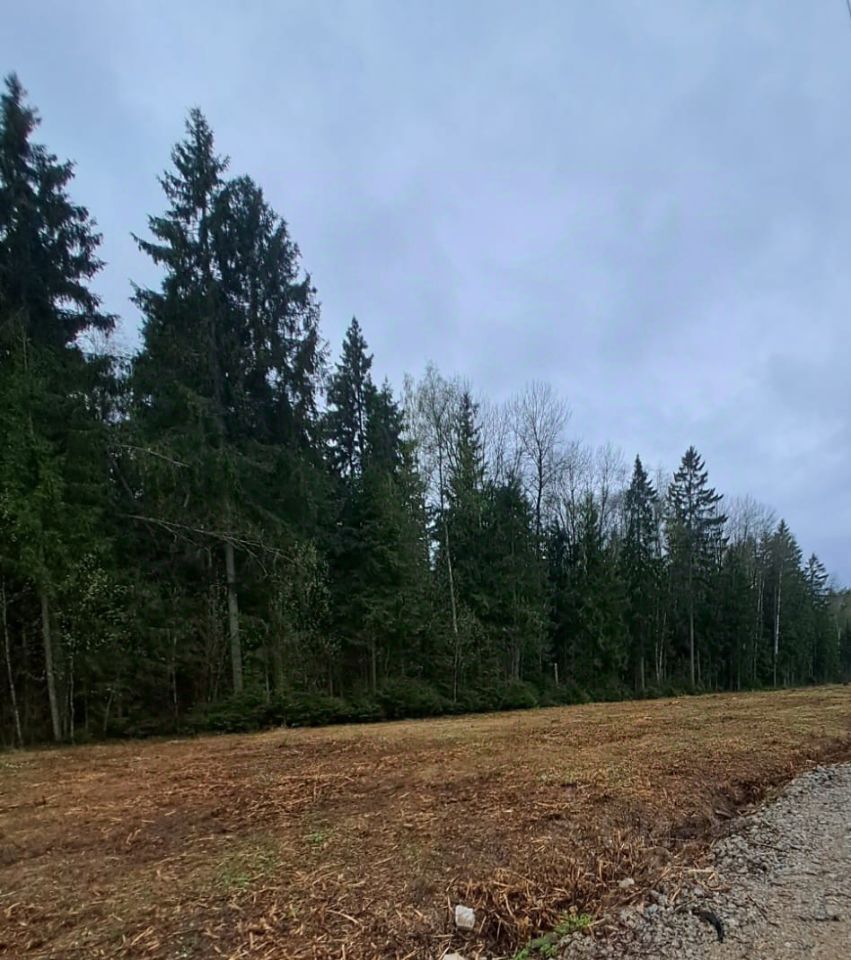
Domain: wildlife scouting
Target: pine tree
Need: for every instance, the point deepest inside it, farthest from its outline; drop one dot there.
(226, 380)
(639, 563)
(350, 393)
(823, 634)
(51, 487)
(513, 578)
(464, 497)
(379, 560)
(785, 586)
(695, 527)
(598, 603)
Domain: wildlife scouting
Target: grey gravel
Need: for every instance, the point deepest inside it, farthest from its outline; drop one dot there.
(779, 887)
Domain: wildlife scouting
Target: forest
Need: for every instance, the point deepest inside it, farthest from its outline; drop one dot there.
(238, 527)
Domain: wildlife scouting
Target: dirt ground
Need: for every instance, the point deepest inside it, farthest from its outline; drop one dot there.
(356, 842)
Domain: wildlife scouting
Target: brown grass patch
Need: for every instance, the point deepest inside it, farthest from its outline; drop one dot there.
(357, 841)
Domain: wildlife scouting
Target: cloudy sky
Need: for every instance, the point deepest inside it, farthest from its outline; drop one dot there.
(647, 204)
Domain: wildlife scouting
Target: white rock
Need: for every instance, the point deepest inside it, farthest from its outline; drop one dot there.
(453, 956)
(626, 883)
(465, 917)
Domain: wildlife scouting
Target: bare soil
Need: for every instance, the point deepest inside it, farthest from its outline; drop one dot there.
(356, 842)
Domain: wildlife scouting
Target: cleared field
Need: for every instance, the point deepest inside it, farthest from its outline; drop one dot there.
(356, 842)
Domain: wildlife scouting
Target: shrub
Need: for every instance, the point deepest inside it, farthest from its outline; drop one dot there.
(237, 714)
(411, 698)
(610, 692)
(311, 710)
(364, 710)
(515, 695)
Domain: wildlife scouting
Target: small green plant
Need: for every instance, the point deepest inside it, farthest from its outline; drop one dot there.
(539, 947)
(317, 838)
(242, 867)
(572, 923)
(547, 945)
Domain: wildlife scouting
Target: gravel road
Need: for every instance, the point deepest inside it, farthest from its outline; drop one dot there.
(780, 888)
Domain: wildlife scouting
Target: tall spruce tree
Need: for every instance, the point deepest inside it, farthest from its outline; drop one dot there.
(51, 491)
(785, 591)
(350, 392)
(823, 633)
(228, 372)
(695, 526)
(379, 560)
(639, 563)
(516, 609)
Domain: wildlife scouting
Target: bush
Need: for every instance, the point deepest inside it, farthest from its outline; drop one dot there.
(411, 698)
(515, 695)
(364, 710)
(233, 715)
(309, 710)
(473, 701)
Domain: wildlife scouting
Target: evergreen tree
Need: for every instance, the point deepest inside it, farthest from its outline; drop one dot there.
(598, 604)
(695, 527)
(823, 634)
(465, 497)
(350, 392)
(515, 615)
(51, 490)
(639, 562)
(785, 590)
(227, 376)
(379, 563)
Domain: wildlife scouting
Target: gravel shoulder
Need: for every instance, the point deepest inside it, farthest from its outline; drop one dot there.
(778, 887)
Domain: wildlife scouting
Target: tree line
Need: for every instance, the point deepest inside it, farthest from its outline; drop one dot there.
(229, 528)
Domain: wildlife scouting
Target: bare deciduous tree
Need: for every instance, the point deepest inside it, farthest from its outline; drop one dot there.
(540, 417)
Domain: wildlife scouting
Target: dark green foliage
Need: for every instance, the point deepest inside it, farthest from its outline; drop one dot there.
(641, 568)
(47, 243)
(215, 536)
(411, 698)
(55, 534)
(515, 695)
(695, 543)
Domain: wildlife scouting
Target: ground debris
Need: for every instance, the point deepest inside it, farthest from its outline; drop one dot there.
(359, 842)
(774, 880)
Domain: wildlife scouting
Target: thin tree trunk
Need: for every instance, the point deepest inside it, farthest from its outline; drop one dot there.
(777, 622)
(233, 619)
(107, 709)
(456, 657)
(16, 716)
(277, 657)
(70, 685)
(174, 700)
(691, 639)
(55, 718)
(373, 666)
(758, 625)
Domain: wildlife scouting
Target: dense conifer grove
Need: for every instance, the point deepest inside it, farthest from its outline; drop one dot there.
(232, 528)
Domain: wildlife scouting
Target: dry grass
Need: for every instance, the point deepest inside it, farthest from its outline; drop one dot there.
(355, 842)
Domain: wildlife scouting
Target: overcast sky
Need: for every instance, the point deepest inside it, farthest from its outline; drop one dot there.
(647, 204)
